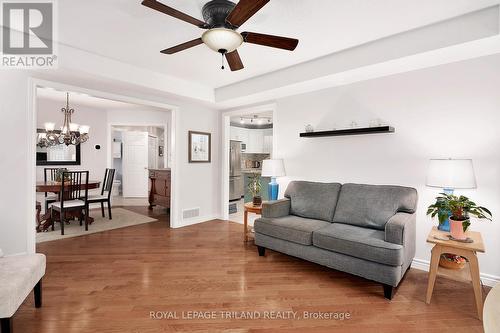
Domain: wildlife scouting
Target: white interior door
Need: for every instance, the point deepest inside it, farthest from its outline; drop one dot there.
(135, 164)
(152, 152)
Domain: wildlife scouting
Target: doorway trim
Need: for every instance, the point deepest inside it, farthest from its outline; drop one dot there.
(34, 83)
(226, 136)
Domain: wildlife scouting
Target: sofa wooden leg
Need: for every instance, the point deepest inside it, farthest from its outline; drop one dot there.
(262, 251)
(6, 325)
(389, 291)
(38, 294)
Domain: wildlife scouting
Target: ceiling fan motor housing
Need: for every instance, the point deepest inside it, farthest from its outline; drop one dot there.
(216, 11)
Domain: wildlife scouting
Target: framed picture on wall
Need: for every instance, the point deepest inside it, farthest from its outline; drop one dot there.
(200, 147)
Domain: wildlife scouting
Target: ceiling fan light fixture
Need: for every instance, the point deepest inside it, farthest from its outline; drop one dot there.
(222, 39)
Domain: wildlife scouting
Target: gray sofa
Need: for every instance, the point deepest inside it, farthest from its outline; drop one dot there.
(365, 230)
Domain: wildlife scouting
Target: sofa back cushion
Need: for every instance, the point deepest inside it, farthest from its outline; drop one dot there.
(371, 206)
(313, 200)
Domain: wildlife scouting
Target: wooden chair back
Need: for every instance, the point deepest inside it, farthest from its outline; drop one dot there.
(107, 184)
(49, 174)
(74, 186)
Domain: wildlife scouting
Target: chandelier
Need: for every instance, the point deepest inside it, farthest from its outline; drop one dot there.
(69, 134)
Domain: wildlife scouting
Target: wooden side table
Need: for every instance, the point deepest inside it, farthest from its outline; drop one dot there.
(470, 273)
(249, 208)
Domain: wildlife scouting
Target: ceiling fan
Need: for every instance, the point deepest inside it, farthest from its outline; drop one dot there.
(222, 19)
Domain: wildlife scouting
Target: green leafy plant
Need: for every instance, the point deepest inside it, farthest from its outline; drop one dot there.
(59, 174)
(254, 186)
(461, 209)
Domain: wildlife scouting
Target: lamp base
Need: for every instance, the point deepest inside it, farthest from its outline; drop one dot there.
(273, 189)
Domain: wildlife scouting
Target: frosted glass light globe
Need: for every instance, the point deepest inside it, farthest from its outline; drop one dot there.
(222, 39)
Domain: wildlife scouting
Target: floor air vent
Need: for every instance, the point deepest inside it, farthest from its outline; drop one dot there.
(190, 213)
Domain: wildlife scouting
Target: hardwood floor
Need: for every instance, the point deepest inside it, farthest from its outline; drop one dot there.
(111, 281)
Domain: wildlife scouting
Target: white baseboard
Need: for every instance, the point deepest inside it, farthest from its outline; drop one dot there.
(196, 220)
(487, 279)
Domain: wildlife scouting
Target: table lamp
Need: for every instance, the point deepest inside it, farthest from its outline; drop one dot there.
(450, 174)
(273, 168)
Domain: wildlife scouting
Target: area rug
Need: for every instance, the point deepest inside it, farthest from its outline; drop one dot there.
(121, 218)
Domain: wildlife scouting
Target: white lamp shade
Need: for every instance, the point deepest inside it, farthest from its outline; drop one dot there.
(49, 127)
(222, 39)
(73, 127)
(84, 129)
(451, 174)
(273, 168)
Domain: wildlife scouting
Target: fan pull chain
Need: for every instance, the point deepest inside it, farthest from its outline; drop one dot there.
(222, 61)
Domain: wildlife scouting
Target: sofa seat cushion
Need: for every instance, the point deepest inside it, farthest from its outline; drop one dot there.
(18, 277)
(372, 206)
(364, 243)
(291, 228)
(313, 200)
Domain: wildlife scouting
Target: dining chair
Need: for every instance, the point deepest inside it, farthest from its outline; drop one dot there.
(49, 174)
(73, 197)
(105, 196)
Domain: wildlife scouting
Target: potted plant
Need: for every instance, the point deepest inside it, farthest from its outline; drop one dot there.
(460, 209)
(254, 187)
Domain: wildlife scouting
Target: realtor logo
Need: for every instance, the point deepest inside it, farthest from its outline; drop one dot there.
(28, 34)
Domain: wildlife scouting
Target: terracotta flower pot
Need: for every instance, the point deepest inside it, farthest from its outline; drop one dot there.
(457, 230)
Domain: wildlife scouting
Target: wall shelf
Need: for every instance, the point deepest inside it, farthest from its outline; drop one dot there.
(350, 131)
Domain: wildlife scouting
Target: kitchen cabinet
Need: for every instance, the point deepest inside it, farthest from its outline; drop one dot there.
(258, 141)
(239, 134)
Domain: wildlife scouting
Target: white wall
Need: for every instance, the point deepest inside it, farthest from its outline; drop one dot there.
(17, 169)
(94, 160)
(200, 186)
(446, 111)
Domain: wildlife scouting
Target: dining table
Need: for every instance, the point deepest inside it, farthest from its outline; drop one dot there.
(45, 221)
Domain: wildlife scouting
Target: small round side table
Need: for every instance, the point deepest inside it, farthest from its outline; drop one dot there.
(249, 208)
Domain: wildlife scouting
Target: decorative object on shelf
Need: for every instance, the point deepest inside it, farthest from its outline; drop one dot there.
(309, 128)
(450, 174)
(254, 187)
(452, 261)
(354, 124)
(69, 134)
(376, 122)
(200, 147)
(350, 131)
(461, 209)
(273, 168)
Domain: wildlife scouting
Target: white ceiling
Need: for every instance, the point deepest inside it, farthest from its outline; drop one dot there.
(76, 98)
(127, 31)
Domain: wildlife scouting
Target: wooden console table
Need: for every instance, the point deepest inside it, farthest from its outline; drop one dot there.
(159, 193)
(470, 273)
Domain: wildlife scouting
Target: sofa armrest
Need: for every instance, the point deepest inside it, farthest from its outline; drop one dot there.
(277, 208)
(401, 229)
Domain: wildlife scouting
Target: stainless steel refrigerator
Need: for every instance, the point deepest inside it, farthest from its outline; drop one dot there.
(235, 175)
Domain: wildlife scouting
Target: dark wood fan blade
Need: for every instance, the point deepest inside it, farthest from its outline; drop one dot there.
(270, 40)
(183, 46)
(153, 4)
(234, 61)
(244, 10)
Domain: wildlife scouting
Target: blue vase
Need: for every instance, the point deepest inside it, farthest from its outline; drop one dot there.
(273, 189)
(445, 226)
